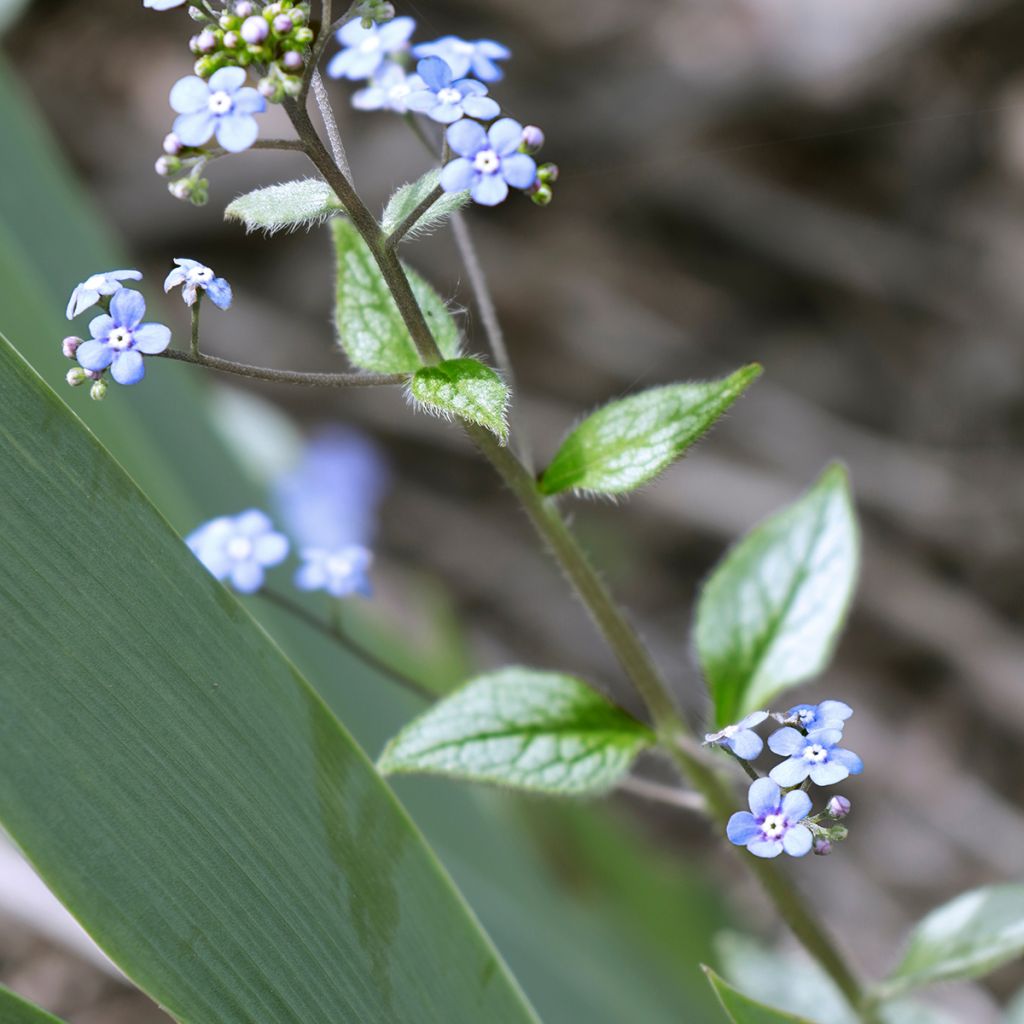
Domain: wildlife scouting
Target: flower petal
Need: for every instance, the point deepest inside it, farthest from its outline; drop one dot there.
(421, 101)
(270, 548)
(458, 175)
(247, 577)
(128, 367)
(189, 95)
(789, 773)
(828, 773)
(786, 741)
(94, 355)
(372, 98)
(466, 138)
(174, 278)
(519, 170)
(848, 759)
(151, 339)
(753, 720)
(252, 523)
(219, 292)
(311, 576)
(195, 129)
(763, 797)
(797, 841)
(395, 32)
(482, 107)
(796, 805)
(506, 135)
(249, 101)
(765, 848)
(227, 80)
(100, 326)
(489, 189)
(742, 828)
(826, 737)
(833, 711)
(746, 744)
(237, 132)
(445, 113)
(435, 72)
(127, 307)
(352, 32)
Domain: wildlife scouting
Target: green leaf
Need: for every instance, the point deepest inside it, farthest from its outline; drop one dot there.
(370, 328)
(404, 202)
(519, 727)
(464, 388)
(628, 442)
(769, 616)
(178, 784)
(743, 1010)
(966, 938)
(285, 207)
(15, 1010)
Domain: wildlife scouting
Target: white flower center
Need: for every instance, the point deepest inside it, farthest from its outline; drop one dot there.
(486, 161)
(449, 95)
(815, 753)
(220, 103)
(805, 716)
(239, 549)
(369, 45)
(773, 826)
(200, 275)
(120, 338)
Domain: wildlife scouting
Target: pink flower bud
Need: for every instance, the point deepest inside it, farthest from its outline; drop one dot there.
(70, 346)
(255, 30)
(283, 24)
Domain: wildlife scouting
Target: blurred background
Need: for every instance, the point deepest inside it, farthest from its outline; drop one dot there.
(835, 190)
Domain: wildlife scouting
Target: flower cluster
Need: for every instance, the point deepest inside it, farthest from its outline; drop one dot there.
(779, 818)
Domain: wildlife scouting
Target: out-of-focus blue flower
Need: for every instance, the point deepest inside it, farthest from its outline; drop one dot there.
(465, 57)
(192, 276)
(239, 548)
(829, 714)
(89, 292)
(741, 738)
(488, 161)
(162, 5)
(445, 100)
(365, 49)
(387, 90)
(224, 107)
(773, 824)
(341, 572)
(816, 755)
(120, 340)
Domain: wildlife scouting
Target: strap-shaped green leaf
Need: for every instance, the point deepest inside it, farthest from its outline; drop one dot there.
(404, 202)
(370, 328)
(464, 388)
(285, 207)
(769, 616)
(519, 727)
(15, 1010)
(742, 1009)
(179, 785)
(628, 442)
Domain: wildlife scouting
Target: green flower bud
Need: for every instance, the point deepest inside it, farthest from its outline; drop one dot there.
(76, 377)
(541, 195)
(98, 391)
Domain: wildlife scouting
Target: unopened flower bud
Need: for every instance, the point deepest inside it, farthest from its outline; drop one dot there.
(197, 14)
(167, 165)
(98, 391)
(76, 377)
(232, 40)
(533, 139)
(172, 144)
(228, 21)
(298, 17)
(180, 189)
(541, 194)
(304, 35)
(822, 847)
(292, 61)
(94, 374)
(271, 88)
(206, 42)
(838, 807)
(547, 174)
(283, 24)
(255, 30)
(69, 346)
(244, 9)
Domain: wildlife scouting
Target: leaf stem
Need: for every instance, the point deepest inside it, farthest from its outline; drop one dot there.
(412, 219)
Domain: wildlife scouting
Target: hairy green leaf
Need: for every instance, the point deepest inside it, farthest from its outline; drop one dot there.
(285, 207)
(742, 1009)
(966, 938)
(405, 201)
(769, 616)
(15, 1010)
(628, 442)
(178, 784)
(370, 327)
(520, 727)
(464, 388)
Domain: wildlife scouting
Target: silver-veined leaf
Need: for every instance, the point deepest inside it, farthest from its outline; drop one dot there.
(285, 207)
(464, 388)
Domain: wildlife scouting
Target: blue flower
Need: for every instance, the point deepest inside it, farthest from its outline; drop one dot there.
(121, 339)
(464, 57)
(773, 824)
(224, 107)
(741, 738)
(341, 572)
(815, 755)
(192, 276)
(89, 292)
(829, 714)
(387, 90)
(239, 548)
(162, 5)
(365, 49)
(445, 100)
(488, 162)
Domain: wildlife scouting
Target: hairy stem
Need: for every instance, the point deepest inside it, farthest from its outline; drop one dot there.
(323, 103)
(410, 221)
(194, 340)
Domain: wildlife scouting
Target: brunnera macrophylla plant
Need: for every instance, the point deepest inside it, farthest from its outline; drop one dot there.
(769, 614)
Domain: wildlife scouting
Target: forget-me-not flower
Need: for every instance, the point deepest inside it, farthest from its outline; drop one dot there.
(120, 339)
(192, 276)
(92, 289)
(341, 572)
(388, 90)
(829, 714)
(816, 755)
(741, 738)
(773, 823)
(488, 161)
(465, 57)
(445, 99)
(224, 107)
(239, 548)
(365, 49)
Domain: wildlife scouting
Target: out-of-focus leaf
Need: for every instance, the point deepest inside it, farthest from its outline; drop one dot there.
(464, 388)
(406, 199)
(519, 727)
(769, 616)
(9, 12)
(370, 328)
(15, 1010)
(628, 442)
(285, 207)
(742, 1009)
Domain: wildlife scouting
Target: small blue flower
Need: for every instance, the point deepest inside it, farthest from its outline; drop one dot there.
(365, 49)
(464, 57)
(829, 714)
(816, 755)
(773, 824)
(741, 738)
(387, 90)
(224, 107)
(162, 5)
(341, 572)
(192, 276)
(488, 162)
(445, 100)
(120, 340)
(89, 292)
(239, 548)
